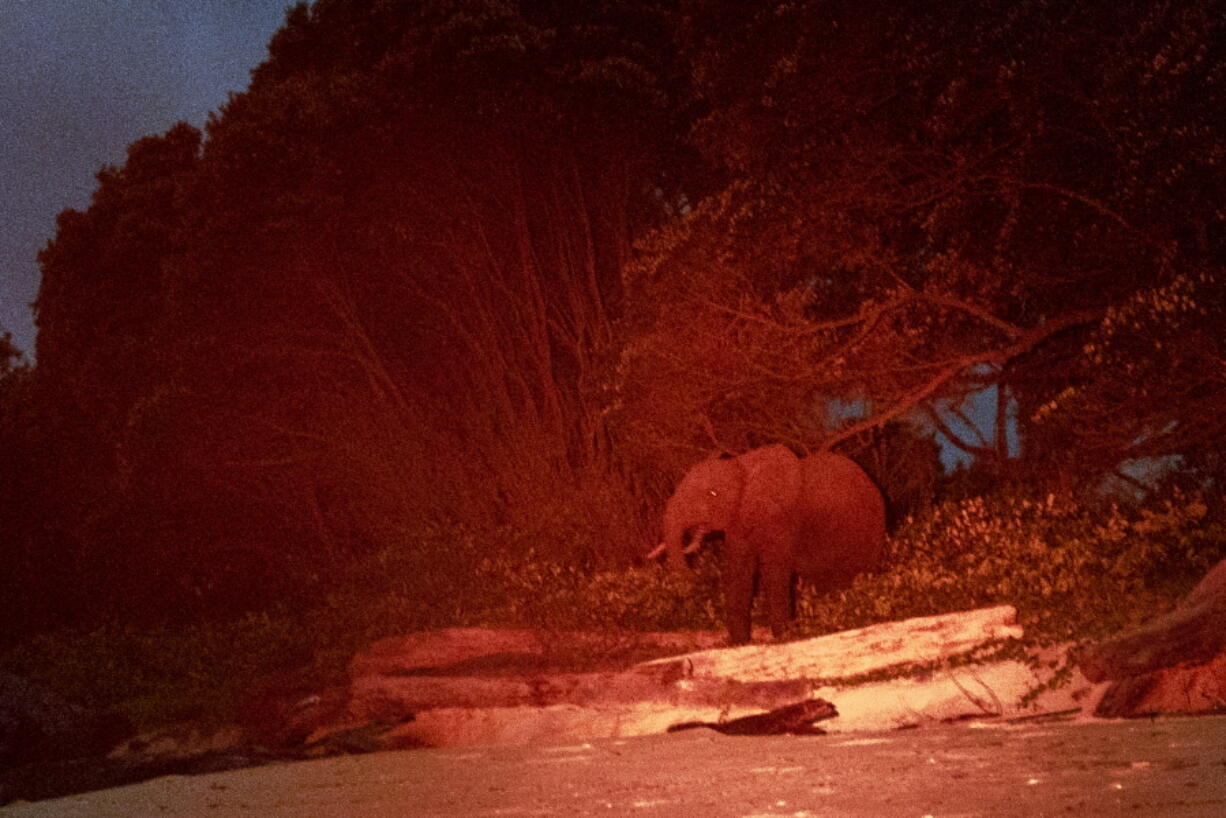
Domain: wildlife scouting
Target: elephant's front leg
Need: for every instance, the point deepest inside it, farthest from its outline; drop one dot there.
(777, 588)
(739, 565)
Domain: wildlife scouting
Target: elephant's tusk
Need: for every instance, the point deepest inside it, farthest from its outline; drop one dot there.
(695, 541)
(695, 544)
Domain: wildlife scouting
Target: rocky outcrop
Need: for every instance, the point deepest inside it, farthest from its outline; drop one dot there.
(1176, 663)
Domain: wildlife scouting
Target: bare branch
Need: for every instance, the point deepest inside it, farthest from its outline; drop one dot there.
(953, 437)
(973, 310)
(1026, 341)
(901, 407)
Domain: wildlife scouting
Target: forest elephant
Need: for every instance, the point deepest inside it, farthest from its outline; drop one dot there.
(781, 515)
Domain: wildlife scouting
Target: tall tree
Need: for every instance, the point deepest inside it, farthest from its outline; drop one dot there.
(381, 293)
(102, 301)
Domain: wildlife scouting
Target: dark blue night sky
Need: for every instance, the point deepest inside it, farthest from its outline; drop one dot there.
(79, 81)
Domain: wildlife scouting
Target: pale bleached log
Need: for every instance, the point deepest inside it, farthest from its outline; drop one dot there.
(709, 685)
(855, 652)
(763, 676)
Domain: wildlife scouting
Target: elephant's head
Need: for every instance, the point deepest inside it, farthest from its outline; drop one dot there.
(711, 497)
(705, 500)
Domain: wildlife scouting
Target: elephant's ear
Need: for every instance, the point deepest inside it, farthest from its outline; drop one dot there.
(773, 482)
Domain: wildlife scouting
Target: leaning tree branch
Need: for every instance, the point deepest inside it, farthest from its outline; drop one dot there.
(1097, 205)
(900, 407)
(1012, 330)
(954, 438)
(1025, 341)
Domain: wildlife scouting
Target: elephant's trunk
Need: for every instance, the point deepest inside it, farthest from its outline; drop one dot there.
(674, 543)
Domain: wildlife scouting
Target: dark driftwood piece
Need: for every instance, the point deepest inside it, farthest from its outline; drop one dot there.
(795, 719)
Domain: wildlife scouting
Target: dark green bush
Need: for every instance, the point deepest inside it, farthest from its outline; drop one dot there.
(1072, 571)
(554, 595)
(162, 674)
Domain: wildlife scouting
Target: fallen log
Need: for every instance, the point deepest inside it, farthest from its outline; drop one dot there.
(382, 697)
(710, 686)
(753, 675)
(496, 651)
(855, 652)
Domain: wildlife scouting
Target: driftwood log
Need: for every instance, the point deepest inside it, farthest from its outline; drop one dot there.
(459, 696)
(855, 652)
(762, 676)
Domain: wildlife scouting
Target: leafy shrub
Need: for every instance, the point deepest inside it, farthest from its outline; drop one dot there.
(1071, 570)
(163, 674)
(553, 595)
(1074, 573)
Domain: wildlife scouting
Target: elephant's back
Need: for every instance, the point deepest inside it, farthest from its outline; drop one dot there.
(845, 529)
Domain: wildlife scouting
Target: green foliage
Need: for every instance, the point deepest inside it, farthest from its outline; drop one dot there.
(156, 675)
(560, 596)
(159, 675)
(378, 293)
(906, 242)
(25, 475)
(456, 262)
(1073, 572)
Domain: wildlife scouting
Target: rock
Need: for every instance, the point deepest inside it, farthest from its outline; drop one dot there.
(365, 738)
(37, 724)
(178, 741)
(1175, 663)
(1190, 689)
(1193, 632)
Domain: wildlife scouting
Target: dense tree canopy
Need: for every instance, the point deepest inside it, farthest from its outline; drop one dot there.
(511, 265)
(925, 204)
